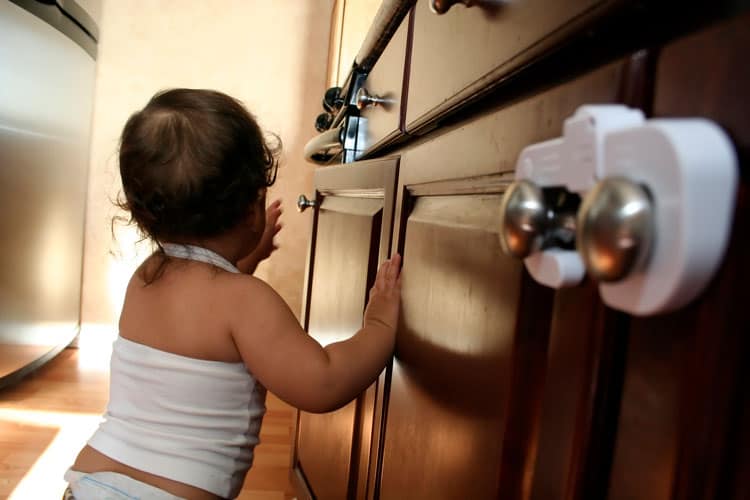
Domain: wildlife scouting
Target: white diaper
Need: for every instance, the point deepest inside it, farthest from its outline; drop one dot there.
(112, 486)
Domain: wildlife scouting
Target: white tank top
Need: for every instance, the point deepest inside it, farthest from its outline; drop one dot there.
(186, 419)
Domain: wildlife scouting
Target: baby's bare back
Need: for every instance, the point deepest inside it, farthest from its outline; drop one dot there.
(185, 311)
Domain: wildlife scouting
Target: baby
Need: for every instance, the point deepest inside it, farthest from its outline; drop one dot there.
(200, 338)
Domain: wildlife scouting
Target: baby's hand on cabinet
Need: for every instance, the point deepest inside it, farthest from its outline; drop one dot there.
(385, 296)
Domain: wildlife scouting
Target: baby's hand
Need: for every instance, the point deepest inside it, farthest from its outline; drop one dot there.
(385, 295)
(266, 246)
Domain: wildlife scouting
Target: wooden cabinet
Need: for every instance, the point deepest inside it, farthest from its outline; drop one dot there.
(685, 393)
(351, 235)
(384, 121)
(467, 382)
(464, 51)
(503, 388)
(445, 418)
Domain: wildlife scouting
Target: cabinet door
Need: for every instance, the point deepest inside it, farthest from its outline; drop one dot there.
(351, 231)
(467, 387)
(683, 429)
(450, 60)
(448, 401)
(574, 429)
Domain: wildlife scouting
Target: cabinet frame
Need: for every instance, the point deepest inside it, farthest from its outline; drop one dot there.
(367, 179)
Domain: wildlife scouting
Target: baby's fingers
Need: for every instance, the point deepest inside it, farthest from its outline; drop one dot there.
(273, 211)
(275, 204)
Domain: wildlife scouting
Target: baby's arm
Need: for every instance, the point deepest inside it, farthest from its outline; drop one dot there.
(296, 368)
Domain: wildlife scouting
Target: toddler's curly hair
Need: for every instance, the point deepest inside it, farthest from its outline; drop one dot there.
(192, 163)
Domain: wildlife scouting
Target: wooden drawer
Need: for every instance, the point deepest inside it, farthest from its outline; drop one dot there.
(462, 52)
(386, 80)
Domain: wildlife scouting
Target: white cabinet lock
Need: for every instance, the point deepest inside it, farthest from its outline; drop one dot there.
(656, 211)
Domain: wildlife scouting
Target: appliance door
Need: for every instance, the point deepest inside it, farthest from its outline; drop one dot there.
(47, 82)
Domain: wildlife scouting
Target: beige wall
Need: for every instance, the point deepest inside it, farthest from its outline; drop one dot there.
(270, 54)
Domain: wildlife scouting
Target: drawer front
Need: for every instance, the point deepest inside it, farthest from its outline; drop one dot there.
(385, 81)
(459, 53)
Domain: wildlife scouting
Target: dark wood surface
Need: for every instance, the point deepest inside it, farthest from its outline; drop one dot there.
(326, 442)
(682, 424)
(454, 270)
(501, 388)
(456, 335)
(585, 364)
(465, 51)
(580, 399)
(352, 228)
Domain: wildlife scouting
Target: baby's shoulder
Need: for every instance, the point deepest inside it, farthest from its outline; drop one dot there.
(248, 289)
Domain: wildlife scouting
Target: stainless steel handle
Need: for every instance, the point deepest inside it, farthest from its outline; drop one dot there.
(365, 99)
(522, 219)
(442, 6)
(533, 219)
(303, 203)
(615, 228)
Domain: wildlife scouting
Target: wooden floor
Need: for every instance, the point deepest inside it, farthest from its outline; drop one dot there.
(47, 417)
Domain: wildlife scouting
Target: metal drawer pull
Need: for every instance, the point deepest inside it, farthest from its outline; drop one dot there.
(442, 6)
(615, 228)
(303, 203)
(364, 99)
(522, 219)
(658, 199)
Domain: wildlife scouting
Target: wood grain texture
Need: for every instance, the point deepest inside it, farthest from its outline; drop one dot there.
(448, 395)
(533, 318)
(346, 229)
(450, 58)
(469, 161)
(684, 397)
(352, 233)
(490, 144)
(585, 364)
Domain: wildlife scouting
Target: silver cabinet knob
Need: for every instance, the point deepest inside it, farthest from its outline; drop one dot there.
(442, 6)
(303, 203)
(615, 228)
(523, 219)
(365, 99)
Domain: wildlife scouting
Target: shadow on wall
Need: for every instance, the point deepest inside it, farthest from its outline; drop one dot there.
(285, 271)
